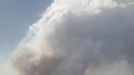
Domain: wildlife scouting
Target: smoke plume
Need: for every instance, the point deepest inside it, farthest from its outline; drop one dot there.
(79, 37)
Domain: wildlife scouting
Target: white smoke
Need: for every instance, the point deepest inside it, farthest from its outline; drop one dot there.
(79, 37)
(7, 68)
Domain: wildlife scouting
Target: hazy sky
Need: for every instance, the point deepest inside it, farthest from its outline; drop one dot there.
(15, 18)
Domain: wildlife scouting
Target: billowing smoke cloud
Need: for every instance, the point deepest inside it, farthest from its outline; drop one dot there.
(79, 37)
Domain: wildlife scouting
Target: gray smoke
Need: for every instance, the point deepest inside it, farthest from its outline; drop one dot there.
(79, 37)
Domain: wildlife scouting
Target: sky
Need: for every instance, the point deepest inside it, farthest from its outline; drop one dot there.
(15, 18)
(71, 37)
